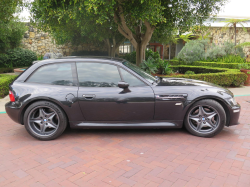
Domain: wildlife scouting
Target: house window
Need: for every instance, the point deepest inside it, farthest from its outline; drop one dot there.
(126, 47)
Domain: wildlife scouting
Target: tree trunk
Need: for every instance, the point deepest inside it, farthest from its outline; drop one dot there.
(112, 53)
(140, 53)
(235, 34)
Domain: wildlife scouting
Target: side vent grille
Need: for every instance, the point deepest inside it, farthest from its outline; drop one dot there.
(171, 97)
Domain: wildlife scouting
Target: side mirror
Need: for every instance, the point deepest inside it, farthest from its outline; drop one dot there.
(123, 85)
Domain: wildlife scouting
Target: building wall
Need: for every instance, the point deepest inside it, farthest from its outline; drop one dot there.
(219, 36)
(41, 43)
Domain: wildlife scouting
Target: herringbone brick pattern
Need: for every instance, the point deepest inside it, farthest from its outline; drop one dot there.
(126, 157)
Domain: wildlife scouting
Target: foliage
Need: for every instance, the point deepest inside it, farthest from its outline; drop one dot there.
(89, 53)
(209, 64)
(214, 52)
(8, 9)
(233, 23)
(6, 70)
(149, 66)
(244, 66)
(199, 50)
(11, 34)
(133, 19)
(201, 31)
(219, 76)
(167, 70)
(5, 80)
(81, 26)
(17, 58)
(183, 37)
(226, 53)
(39, 57)
(189, 73)
(232, 59)
(192, 51)
(131, 57)
(244, 44)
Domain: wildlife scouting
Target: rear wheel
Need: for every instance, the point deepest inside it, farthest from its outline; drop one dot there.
(45, 120)
(205, 118)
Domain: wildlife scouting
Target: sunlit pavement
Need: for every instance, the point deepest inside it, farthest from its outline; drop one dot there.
(126, 157)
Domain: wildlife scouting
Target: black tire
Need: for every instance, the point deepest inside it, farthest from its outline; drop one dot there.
(201, 125)
(49, 110)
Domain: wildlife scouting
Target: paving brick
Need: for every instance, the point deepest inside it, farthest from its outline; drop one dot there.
(126, 157)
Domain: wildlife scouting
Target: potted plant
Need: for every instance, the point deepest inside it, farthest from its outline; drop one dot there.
(245, 68)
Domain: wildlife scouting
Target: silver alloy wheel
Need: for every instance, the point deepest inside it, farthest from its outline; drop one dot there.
(43, 121)
(203, 119)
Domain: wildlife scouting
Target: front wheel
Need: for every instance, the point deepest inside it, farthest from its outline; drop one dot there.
(205, 118)
(45, 120)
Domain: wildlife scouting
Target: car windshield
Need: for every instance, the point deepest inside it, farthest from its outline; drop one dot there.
(140, 72)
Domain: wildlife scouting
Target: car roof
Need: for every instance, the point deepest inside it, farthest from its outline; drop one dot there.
(80, 58)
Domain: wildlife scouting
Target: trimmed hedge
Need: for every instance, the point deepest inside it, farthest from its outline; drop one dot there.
(209, 64)
(5, 80)
(219, 76)
(17, 57)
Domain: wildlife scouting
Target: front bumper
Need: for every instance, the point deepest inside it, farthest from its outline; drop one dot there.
(234, 115)
(13, 111)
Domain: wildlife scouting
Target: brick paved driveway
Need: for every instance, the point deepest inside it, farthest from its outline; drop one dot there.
(126, 157)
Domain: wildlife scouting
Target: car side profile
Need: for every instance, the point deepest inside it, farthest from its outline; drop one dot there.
(92, 92)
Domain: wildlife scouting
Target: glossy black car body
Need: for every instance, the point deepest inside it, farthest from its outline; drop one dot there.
(163, 103)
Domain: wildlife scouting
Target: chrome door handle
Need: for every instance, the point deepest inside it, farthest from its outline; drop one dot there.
(89, 96)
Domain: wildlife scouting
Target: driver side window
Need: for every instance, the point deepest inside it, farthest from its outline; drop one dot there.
(97, 75)
(131, 79)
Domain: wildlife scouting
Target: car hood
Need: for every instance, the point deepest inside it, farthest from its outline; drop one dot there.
(179, 82)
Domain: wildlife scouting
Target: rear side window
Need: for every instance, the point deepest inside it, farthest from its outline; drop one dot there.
(54, 74)
(97, 75)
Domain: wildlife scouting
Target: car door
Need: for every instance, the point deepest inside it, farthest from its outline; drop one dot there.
(101, 99)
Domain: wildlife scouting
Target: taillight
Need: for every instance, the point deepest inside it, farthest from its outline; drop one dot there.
(12, 97)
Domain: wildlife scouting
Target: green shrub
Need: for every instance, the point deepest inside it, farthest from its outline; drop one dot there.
(192, 51)
(198, 50)
(232, 59)
(11, 34)
(215, 52)
(149, 66)
(17, 58)
(131, 57)
(219, 76)
(89, 53)
(243, 66)
(189, 73)
(5, 80)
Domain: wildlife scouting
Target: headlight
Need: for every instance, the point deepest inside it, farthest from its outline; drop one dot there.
(232, 101)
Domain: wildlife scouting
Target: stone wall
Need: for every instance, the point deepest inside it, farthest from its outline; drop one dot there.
(41, 43)
(219, 36)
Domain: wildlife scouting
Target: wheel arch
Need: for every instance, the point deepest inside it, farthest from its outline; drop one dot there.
(221, 101)
(37, 100)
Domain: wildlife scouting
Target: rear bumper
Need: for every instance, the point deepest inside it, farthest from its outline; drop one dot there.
(13, 112)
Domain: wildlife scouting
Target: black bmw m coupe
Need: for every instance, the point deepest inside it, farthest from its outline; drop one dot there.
(92, 92)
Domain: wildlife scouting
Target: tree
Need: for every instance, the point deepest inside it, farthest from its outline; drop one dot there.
(11, 29)
(232, 23)
(137, 20)
(8, 8)
(78, 29)
(201, 31)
